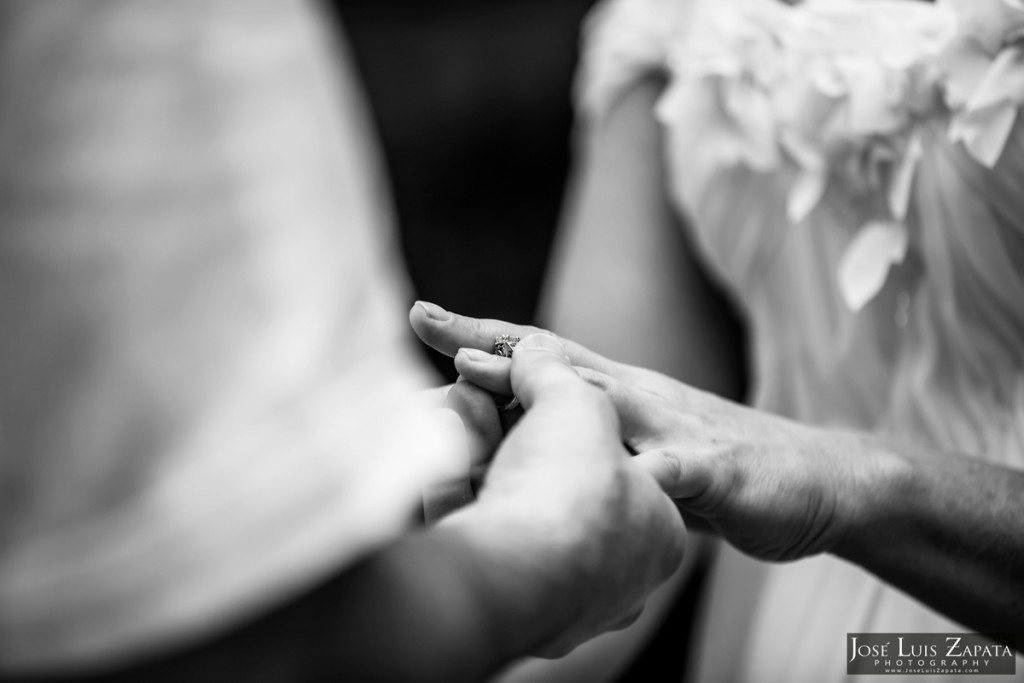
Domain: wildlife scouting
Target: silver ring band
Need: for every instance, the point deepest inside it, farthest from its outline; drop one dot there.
(508, 406)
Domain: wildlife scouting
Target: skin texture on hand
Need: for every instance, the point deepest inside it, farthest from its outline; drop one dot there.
(565, 518)
(945, 527)
(755, 479)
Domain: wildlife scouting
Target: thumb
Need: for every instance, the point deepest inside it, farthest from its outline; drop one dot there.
(541, 369)
(682, 478)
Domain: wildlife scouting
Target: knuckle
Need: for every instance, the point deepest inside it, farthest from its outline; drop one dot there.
(474, 325)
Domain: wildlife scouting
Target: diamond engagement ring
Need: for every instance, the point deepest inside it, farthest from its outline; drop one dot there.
(504, 346)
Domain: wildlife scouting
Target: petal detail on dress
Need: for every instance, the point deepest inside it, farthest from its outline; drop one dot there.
(866, 262)
(985, 133)
(1002, 83)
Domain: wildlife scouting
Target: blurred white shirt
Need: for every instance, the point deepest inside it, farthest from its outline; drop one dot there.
(204, 362)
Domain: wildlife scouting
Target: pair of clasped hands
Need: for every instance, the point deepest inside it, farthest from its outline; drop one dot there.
(587, 482)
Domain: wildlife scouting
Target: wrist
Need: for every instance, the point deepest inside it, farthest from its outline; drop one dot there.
(880, 486)
(521, 607)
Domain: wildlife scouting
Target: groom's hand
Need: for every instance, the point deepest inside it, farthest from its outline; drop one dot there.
(573, 529)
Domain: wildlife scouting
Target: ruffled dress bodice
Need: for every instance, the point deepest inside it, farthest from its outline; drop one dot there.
(851, 172)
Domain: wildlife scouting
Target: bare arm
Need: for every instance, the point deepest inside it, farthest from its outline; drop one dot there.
(624, 280)
(421, 609)
(946, 528)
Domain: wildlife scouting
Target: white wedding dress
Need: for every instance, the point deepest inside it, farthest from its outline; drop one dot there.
(853, 173)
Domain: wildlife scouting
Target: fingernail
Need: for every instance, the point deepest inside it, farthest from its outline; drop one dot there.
(434, 312)
(475, 355)
(542, 342)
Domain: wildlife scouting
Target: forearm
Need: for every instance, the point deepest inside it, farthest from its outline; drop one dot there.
(945, 528)
(621, 243)
(428, 608)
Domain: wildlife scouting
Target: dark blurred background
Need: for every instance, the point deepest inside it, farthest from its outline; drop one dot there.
(472, 102)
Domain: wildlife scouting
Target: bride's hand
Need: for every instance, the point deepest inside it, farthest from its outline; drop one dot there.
(776, 489)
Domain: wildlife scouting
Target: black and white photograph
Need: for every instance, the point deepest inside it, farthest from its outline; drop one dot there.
(511, 341)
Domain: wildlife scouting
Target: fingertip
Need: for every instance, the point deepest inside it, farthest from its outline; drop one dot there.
(416, 314)
(484, 369)
(418, 321)
(435, 327)
(433, 311)
(663, 466)
(688, 477)
(467, 355)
